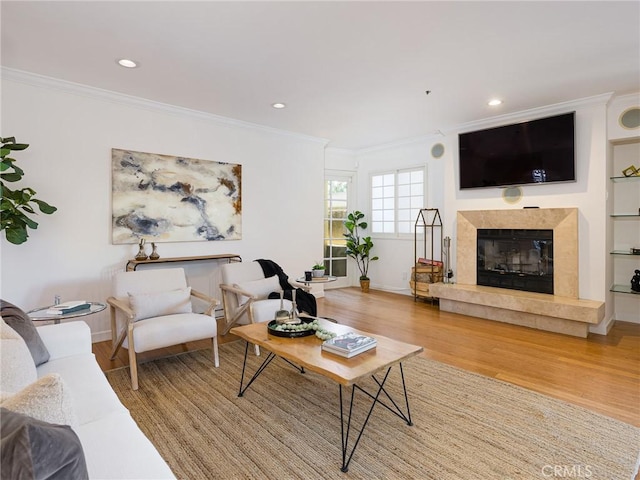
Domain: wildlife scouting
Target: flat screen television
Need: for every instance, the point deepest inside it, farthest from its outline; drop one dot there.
(534, 152)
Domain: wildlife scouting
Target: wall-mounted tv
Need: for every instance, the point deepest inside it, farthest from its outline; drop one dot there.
(534, 152)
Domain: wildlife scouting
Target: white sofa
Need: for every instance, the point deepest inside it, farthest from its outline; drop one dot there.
(114, 446)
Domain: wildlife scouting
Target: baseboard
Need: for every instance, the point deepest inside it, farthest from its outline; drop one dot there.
(604, 327)
(101, 336)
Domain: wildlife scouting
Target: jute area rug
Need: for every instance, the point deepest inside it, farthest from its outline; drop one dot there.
(287, 425)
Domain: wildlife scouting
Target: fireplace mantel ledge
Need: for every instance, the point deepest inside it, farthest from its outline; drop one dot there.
(571, 316)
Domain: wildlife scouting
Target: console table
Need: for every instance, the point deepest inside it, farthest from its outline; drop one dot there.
(231, 257)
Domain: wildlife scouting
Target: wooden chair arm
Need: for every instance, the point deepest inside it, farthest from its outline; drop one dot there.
(123, 306)
(117, 339)
(213, 302)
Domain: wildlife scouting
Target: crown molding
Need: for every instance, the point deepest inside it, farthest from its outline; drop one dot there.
(524, 115)
(33, 79)
(629, 97)
(436, 136)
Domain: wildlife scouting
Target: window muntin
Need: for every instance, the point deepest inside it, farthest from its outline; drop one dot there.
(396, 199)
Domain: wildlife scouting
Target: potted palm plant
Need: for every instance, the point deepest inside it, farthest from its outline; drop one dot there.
(359, 247)
(17, 204)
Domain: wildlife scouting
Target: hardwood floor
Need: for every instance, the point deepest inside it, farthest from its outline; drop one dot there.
(601, 373)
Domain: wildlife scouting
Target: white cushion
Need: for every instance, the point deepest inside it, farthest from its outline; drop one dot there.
(66, 339)
(260, 288)
(149, 305)
(93, 397)
(240, 272)
(47, 399)
(160, 332)
(115, 448)
(18, 369)
(152, 280)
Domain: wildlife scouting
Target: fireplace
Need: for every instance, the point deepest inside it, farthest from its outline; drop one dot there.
(562, 221)
(562, 312)
(518, 259)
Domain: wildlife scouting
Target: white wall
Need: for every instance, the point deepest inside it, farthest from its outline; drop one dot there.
(71, 130)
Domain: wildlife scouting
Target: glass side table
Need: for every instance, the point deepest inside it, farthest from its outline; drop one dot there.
(41, 315)
(325, 279)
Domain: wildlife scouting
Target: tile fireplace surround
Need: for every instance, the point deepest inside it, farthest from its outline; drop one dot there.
(562, 312)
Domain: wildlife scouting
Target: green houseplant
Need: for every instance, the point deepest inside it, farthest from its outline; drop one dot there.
(358, 246)
(318, 269)
(17, 205)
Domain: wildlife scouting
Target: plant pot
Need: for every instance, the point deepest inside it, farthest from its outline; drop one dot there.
(364, 285)
(318, 273)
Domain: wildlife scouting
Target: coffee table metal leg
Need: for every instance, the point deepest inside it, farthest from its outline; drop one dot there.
(345, 429)
(266, 362)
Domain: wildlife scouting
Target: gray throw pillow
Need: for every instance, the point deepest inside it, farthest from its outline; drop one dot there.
(21, 323)
(35, 449)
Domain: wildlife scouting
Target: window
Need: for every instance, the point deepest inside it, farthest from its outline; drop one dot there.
(396, 199)
(338, 196)
(335, 213)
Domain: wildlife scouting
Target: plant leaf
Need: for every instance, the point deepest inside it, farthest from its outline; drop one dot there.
(11, 177)
(44, 206)
(15, 146)
(16, 235)
(30, 223)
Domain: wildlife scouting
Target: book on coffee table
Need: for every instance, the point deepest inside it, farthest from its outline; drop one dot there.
(349, 344)
(68, 307)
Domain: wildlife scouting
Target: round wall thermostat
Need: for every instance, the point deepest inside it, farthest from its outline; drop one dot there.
(437, 150)
(630, 118)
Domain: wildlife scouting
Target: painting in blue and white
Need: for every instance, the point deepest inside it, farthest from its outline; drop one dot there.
(163, 198)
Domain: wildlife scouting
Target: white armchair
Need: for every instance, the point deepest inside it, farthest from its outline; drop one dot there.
(152, 309)
(245, 292)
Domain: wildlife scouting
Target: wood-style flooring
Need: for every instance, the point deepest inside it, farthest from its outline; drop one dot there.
(601, 373)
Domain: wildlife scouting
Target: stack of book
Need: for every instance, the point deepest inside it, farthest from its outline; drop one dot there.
(68, 307)
(349, 344)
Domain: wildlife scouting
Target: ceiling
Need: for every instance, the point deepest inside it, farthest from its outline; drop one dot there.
(354, 73)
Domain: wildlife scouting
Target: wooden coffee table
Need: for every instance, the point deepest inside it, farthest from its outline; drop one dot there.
(306, 353)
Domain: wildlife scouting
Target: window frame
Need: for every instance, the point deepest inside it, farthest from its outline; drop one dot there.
(396, 172)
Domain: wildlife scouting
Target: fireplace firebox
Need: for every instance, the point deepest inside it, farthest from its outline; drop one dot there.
(518, 259)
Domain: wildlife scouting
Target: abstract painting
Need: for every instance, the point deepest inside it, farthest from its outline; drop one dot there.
(162, 198)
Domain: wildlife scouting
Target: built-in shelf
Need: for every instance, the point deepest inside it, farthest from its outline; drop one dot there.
(623, 289)
(623, 224)
(625, 179)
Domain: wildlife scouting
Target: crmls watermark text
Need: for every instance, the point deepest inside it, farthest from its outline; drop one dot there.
(567, 471)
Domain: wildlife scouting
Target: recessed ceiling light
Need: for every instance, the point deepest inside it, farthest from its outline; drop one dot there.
(125, 62)
(495, 102)
(278, 105)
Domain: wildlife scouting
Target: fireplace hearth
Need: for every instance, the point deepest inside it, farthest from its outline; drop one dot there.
(517, 259)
